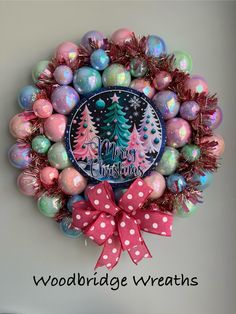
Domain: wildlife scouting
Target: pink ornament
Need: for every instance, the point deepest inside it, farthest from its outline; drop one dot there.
(143, 86)
(19, 127)
(55, 126)
(178, 132)
(48, 176)
(66, 51)
(121, 36)
(42, 108)
(71, 181)
(157, 182)
(217, 150)
(196, 84)
(162, 80)
(27, 183)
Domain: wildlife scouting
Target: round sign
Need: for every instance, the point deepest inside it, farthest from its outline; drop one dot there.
(115, 134)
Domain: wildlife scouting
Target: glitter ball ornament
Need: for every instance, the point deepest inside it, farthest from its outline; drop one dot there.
(191, 152)
(189, 110)
(178, 132)
(122, 36)
(67, 230)
(183, 61)
(203, 180)
(48, 176)
(27, 96)
(57, 156)
(138, 67)
(180, 211)
(72, 200)
(40, 144)
(71, 181)
(99, 59)
(168, 162)
(19, 127)
(157, 182)
(55, 126)
(176, 183)
(19, 155)
(116, 75)
(86, 80)
(64, 99)
(213, 121)
(27, 183)
(39, 69)
(162, 80)
(155, 46)
(167, 103)
(96, 37)
(63, 75)
(49, 206)
(67, 52)
(196, 84)
(219, 148)
(42, 108)
(143, 86)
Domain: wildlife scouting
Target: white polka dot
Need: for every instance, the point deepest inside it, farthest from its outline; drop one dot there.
(135, 260)
(109, 265)
(85, 224)
(96, 202)
(145, 229)
(137, 253)
(146, 255)
(164, 219)
(146, 216)
(163, 233)
(91, 237)
(122, 224)
(113, 222)
(117, 259)
(140, 183)
(140, 204)
(140, 194)
(87, 213)
(116, 208)
(170, 227)
(134, 212)
(127, 242)
(130, 207)
(155, 225)
(107, 197)
(107, 206)
(78, 217)
(109, 241)
(95, 216)
(132, 231)
(102, 225)
(114, 250)
(92, 228)
(99, 191)
(102, 236)
(129, 196)
(105, 257)
(140, 239)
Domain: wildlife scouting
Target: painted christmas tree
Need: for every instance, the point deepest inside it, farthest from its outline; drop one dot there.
(84, 135)
(150, 130)
(136, 144)
(116, 128)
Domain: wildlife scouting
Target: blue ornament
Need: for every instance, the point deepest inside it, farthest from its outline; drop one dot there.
(155, 46)
(99, 59)
(27, 97)
(73, 199)
(65, 228)
(203, 180)
(176, 183)
(86, 80)
(100, 104)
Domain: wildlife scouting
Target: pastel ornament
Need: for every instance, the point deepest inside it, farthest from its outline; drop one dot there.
(178, 132)
(94, 36)
(57, 156)
(157, 182)
(143, 86)
(49, 205)
(204, 180)
(191, 152)
(19, 155)
(138, 67)
(189, 110)
(219, 148)
(27, 183)
(72, 200)
(183, 61)
(121, 36)
(169, 161)
(116, 75)
(100, 104)
(155, 46)
(168, 104)
(162, 80)
(42, 108)
(64, 99)
(20, 127)
(27, 97)
(63, 75)
(196, 84)
(99, 59)
(86, 80)
(48, 176)
(67, 230)
(40, 144)
(39, 69)
(71, 181)
(66, 52)
(176, 183)
(55, 126)
(184, 211)
(213, 120)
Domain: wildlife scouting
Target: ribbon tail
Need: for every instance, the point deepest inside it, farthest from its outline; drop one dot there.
(111, 253)
(139, 252)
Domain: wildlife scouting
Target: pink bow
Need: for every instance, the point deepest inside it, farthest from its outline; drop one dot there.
(117, 227)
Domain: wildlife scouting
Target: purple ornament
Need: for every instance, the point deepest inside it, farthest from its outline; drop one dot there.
(196, 84)
(162, 80)
(189, 110)
(212, 121)
(19, 155)
(64, 99)
(63, 75)
(178, 132)
(27, 183)
(166, 101)
(95, 36)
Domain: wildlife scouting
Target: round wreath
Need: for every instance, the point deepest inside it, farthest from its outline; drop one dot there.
(173, 148)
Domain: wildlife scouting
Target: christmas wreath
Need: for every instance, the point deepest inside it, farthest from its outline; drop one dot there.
(116, 138)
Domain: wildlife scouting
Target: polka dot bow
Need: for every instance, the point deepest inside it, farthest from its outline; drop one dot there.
(117, 227)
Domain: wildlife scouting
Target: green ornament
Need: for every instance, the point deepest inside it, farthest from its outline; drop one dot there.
(49, 205)
(191, 152)
(41, 144)
(168, 162)
(116, 75)
(57, 156)
(183, 61)
(138, 67)
(85, 125)
(38, 69)
(178, 209)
